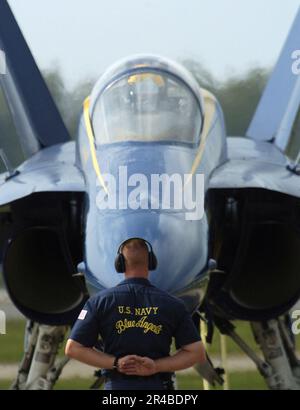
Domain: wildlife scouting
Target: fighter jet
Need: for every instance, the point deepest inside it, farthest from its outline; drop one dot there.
(227, 241)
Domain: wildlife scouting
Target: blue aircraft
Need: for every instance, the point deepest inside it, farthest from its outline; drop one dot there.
(152, 160)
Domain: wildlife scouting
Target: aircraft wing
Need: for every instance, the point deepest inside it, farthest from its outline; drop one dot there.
(36, 117)
(278, 108)
(255, 164)
(51, 169)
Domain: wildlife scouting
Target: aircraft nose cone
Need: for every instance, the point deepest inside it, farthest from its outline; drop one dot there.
(178, 239)
(181, 255)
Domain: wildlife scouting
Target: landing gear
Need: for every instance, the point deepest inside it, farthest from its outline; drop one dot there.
(277, 347)
(279, 367)
(39, 369)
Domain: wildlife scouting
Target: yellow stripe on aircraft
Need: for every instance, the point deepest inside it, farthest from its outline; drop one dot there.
(209, 115)
(91, 138)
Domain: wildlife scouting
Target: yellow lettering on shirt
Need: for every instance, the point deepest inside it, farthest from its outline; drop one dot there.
(143, 322)
(124, 325)
(143, 311)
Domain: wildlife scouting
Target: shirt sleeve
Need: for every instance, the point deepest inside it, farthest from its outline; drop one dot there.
(186, 332)
(86, 329)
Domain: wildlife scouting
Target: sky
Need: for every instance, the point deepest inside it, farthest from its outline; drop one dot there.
(83, 37)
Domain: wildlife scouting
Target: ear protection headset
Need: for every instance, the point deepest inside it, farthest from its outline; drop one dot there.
(120, 260)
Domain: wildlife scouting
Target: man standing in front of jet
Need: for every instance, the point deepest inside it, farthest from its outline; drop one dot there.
(136, 322)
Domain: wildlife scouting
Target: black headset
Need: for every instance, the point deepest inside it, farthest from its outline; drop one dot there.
(120, 260)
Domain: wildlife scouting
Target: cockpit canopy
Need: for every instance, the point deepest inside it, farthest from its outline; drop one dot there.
(147, 102)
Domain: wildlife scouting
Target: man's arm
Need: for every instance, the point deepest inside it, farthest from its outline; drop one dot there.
(95, 358)
(184, 358)
(88, 355)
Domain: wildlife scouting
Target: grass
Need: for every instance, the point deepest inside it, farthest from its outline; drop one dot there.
(11, 344)
(238, 381)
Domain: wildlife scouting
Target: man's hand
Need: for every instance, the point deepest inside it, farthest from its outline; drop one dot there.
(137, 366)
(127, 363)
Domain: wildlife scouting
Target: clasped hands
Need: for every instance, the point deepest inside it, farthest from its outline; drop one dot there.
(134, 365)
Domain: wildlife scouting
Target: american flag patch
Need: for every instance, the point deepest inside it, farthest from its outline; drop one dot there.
(2, 62)
(82, 315)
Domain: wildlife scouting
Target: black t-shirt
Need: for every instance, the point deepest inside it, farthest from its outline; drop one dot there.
(135, 317)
